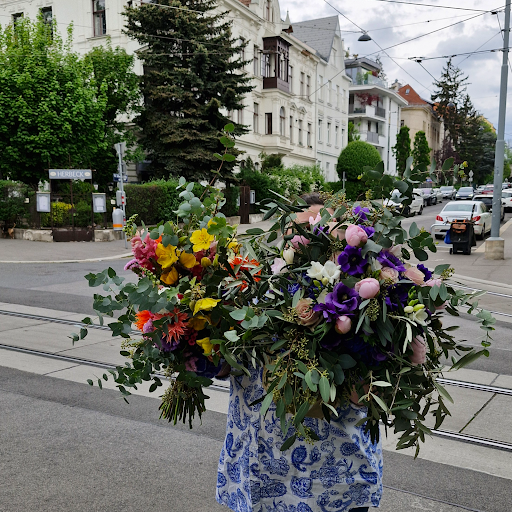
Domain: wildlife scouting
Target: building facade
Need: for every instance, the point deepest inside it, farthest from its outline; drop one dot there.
(299, 104)
(374, 108)
(419, 115)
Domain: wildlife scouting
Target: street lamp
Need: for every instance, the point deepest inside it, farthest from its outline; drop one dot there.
(364, 37)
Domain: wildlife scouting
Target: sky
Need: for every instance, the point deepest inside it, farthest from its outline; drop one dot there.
(390, 23)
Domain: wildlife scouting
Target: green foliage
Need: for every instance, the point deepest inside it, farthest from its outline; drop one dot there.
(60, 214)
(333, 186)
(231, 194)
(12, 201)
(421, 151)
(353, 133)
(186, 86)
(50, 110)
(272, 162)
(352, 160)
(402, 149)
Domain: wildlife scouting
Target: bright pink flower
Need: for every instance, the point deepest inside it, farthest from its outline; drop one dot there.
(419, 351)
(144, 251)
(298, 239)
(367, 288)
(415, 275)
(343, 324)
(355, 236)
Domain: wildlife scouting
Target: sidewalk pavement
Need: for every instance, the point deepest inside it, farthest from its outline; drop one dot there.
(475, 413)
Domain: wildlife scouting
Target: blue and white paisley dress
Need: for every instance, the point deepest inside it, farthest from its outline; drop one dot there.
(341, 471)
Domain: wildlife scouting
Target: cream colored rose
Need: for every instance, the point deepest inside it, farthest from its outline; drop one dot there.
(306, 315)
(390, 274)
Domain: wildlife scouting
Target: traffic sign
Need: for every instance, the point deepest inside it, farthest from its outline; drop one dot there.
(116, 177)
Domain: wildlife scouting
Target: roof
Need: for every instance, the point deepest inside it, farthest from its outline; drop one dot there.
(364, 62)
(319, 34)
(408, 93)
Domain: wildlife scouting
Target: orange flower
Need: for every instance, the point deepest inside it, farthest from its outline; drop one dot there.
(245, 264)
(142, 318)
(176, 328)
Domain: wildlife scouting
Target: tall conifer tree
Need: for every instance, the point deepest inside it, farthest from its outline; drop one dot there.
(421, 151)
(193, 71)
(402, 149)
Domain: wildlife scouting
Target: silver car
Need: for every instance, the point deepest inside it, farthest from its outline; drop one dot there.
(458, 210)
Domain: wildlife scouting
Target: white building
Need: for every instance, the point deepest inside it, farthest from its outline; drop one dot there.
(374, 108)
(299, 105)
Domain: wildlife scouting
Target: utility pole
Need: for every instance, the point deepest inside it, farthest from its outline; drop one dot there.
(495, 245)
(120, 147)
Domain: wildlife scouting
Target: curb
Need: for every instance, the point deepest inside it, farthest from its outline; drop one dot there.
(105, 258)
(481, 282)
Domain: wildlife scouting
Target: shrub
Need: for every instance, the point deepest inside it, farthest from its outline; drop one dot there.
(12, 201)
(60, 214)
(298, 179)
(333, 186)
(352, 160)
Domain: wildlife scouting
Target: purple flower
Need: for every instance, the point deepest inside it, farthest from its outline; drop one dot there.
(341, 301)
(389, 260)
(425, 271)
(132, 264)
(369, 230)
(331, 340)
(351, 261)
(359, 213)
(293, 288)
(398, 295)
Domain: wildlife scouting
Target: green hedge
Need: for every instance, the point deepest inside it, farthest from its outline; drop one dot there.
(12, 202)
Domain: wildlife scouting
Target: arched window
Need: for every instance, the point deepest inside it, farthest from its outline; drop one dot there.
(282, 122)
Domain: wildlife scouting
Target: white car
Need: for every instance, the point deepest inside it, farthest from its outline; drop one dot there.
(440, 196)
(487, 199)
(506, 199)
(458, 210)
(415, 207)
(448, 191)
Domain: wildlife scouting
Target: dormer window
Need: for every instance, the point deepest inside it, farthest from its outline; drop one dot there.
(407, 91)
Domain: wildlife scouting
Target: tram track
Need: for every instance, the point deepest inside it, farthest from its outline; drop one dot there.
(456, 436)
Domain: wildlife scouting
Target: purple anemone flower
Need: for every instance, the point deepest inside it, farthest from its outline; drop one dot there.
(398, 295)
(351, 261)
(426, 271)
(360, 213)
(341, 301)
(293, 288)
(369, 230)
(389, 260)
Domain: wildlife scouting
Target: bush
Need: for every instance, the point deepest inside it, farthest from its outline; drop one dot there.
(352, 160)
(298, 179)
(153, 201)
(261, 183)
(333, 186)
(231, 194)
(60, 214)
(12, 201)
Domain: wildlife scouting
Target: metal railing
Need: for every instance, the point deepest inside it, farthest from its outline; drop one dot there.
(356, 110)
(372, 137)
(380, 112)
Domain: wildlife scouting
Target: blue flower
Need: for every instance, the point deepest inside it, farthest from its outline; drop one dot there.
(293, 288)
(386, 259)
(351, 261)
(426, 271)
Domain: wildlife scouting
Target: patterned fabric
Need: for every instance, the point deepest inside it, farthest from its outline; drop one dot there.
(340, 472)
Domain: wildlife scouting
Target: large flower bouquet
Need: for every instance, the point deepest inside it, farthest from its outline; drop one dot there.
(333, 309)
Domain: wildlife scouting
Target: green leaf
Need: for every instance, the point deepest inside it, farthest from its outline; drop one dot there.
(325, 388)
(311, 385)
(414, 230)
(230, 128)
(238, 315)
(229, 158)
(381, 383)
(381, 403)
(301, 413)
(231, 335)
(441, 268)
(266, 403)
(255, 231)
(289, 442)
(442, 391)
(447, 164)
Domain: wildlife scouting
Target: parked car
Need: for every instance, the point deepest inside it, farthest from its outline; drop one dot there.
(428, 197)
(506, 199)
(459, 210)
(487, 199)
(448, 192)
(465, 193)
(488, 189)
(479, 188)
(505, 185)
(439, 195)
(415, 207)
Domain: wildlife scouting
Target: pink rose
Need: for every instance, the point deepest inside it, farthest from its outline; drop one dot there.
(306, 315)
(419, 351)
(434, 282)
(343, 324)
(367, 288)
(298, 239)
(278, 265)
(396, 250)
(355, 236)
(389, 273)
(415, 275)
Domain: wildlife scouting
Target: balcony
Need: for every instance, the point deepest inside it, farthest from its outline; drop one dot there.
(380, 112)
(356, 110)
(372, 137)
(369, 80)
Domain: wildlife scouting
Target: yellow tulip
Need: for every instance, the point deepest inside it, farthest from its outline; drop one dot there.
(170, 277)
(205, 305)
(188, 260)
(198, 322)
(205, 345)
(201, 240)
(167, 256)
(205, 262)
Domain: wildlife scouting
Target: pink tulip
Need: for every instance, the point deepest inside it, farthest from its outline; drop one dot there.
(367, 288)
(298, 239)
(355, 236)
(434, 282)
(415, 275)
(343, 324)
(419, 351)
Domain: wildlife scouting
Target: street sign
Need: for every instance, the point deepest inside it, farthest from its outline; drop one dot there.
(70, 174)
(116, 177)
(470, 174)
(470, 179)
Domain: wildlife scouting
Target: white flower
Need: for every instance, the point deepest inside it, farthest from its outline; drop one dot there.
(331, 271)
(288, 255)
(408, 309)
(278, 266)
(420, 317)
(321, 298)
(316, 270)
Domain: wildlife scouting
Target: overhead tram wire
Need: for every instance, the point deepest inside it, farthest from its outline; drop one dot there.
(421, 59)
(488, 40)
(430, 5)
(503, 39)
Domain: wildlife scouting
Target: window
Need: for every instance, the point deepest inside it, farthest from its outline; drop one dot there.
(282, 121)
(268, 123)
(338, 96)
(308, 136)
(407, 91)
(241, 42)
(369, 126)
(336, 135)
(256, 64)
(290, 77)
(47, 14)
(240, 116)
(327, 170)
(319, 130)
(16, 17)
(269, 15)
(265, 65)
(402, 123)
(99, 18)
(328, 133)
(308, 85)
(255, 118)
(300, 132)
(329, 85)
(320, 88)
(302, 84)
(291, 129)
